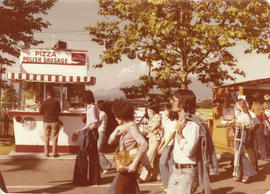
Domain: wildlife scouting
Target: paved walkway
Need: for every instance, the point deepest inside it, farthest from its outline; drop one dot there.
(34, 173)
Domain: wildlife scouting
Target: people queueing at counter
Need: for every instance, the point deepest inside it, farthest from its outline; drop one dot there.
(50, 109)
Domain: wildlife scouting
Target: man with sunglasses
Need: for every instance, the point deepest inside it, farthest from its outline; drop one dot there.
(193, 151)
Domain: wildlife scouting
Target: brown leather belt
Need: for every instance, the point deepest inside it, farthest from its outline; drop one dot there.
(178, 166)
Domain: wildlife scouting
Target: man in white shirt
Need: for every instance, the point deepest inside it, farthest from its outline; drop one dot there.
(183, 179)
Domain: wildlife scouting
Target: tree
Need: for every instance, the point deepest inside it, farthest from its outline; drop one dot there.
(9, 96)
(206, 104)
(19, 20)
(178, 39)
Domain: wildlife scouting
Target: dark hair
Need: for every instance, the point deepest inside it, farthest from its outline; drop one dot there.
(154, 106)
(101, 105)
(187, 99)
(123, 110)
(89, 97)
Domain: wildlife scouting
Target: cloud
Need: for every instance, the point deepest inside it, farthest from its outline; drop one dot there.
(133, 71)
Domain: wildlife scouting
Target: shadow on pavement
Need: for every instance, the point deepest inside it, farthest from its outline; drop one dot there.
(264, 170)
(19, 164)
(225, 163)
(106, 180)
(54, 189)
(225, 190)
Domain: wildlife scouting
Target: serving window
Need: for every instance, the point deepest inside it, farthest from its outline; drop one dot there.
(70, 96)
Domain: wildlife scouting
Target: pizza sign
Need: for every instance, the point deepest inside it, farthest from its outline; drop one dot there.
(53, 57)
(54, 62)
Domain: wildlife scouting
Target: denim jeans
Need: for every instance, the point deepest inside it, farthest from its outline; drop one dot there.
(183, 181)
(103, 161)
(165, 165)
(151, 154)
(259, 143)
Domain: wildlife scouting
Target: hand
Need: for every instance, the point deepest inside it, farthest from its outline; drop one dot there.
(77, 132)
(132, 167)
(149, 168)
(160, 150)
(122, 129)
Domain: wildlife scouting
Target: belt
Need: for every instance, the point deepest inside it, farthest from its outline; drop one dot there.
(178, 166)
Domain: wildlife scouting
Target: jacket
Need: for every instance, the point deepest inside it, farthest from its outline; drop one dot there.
(206, 155)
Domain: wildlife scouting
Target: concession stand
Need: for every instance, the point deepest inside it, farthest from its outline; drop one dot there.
(224, 99)
(65, 72)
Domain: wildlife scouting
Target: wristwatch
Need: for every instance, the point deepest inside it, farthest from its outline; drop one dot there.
(179, 132)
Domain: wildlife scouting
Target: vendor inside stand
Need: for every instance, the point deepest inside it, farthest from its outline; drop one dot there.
(69, 95)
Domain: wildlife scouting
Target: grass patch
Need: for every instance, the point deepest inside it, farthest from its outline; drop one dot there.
(7, 145)
(6, 148)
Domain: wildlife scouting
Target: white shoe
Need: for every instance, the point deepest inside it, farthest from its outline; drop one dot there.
(105, 171)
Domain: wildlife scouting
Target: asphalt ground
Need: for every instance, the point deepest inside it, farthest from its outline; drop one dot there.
(34, 173)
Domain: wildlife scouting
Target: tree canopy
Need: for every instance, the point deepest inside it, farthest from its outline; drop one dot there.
(178, 39)
(9, 97)
(19, 20)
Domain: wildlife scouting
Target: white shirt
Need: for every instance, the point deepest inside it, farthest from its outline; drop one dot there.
(184, 152)
(102, 121)
(255, 120)
(92, 115)
(168, 127)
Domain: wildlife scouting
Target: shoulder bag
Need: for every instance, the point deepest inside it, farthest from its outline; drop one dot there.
(124, 158)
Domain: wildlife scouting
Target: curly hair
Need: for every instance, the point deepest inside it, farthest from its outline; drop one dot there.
(123, 110)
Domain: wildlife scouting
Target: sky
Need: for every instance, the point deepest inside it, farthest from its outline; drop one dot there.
(68, 17)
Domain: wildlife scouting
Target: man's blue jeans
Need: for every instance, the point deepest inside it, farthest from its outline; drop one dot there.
(183, 181)
(165, 165)
(103, 161)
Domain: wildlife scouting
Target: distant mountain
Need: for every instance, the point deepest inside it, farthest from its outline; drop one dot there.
(107, 94)
(200, 90)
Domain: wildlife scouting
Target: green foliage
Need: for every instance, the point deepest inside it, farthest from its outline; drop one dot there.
(19, 20)
(180, 38)
(9, 96)
(206, 104)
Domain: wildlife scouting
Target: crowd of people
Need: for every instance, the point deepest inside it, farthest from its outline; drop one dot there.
(177, 148)
(251, 132)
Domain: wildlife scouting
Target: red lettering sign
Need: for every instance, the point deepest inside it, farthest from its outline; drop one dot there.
(78, 58)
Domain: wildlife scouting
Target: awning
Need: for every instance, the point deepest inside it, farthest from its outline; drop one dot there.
(51, 78)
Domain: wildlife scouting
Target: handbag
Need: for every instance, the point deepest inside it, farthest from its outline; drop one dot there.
(124, 158)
